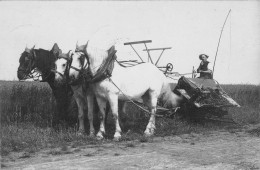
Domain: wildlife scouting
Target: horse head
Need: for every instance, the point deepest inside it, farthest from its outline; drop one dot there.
(27, 64)
(37, 61)
(78, 66)
(62, 66)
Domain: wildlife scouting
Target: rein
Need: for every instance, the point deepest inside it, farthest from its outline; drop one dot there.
(35, 73)
(30, 65)
(172, 111)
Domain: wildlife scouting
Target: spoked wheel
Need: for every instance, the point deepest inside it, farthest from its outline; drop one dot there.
(168, 68)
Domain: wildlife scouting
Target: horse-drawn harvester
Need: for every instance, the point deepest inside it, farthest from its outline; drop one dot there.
(202, 98)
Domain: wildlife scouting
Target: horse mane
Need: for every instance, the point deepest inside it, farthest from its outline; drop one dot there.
(98, 56)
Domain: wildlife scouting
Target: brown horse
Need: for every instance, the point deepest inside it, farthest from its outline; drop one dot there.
(43, 61)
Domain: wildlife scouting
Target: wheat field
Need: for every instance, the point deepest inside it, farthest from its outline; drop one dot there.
(27, 111)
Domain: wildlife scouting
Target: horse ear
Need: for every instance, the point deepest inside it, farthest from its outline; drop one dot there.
(32, 47)
(85, 46)
(60, 52)
(56, 50)
(27, 49)
(77, 46)
(68, 54)
(55, 47)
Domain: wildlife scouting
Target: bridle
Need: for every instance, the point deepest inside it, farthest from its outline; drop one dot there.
(69, 61)
(34, 73)
(84, 65)
(104, 69)
(83, 71)
(29, 70)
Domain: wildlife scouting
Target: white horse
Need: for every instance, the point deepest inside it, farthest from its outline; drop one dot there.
(144, 81)
(79, 88)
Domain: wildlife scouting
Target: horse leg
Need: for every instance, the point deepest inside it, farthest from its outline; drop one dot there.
(113, 101)
(80, 115)
(102, 108)
(122, 114)
(80, 102)
(151, 103)
(90, 102)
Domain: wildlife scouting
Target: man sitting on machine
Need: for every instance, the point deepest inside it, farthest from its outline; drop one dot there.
(205, 73)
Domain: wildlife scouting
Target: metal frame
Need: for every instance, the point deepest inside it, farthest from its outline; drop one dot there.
(140, 42)
(155, 49)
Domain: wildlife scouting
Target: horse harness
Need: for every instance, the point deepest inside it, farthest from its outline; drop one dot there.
(106, 68)
(69, 61)
(104, 71)
(29, 69)
(84, 72)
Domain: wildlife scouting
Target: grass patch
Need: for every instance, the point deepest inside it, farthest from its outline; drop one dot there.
(55, 152)
(88, 155)
(144, 139)
(3, 165)
(30, 138)
(130, 145)
(25, 155)
(245, 114)
(255, 131)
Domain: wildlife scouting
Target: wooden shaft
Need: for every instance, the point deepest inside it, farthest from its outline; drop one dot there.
(152, 49)
(159, 57)
(136, 53)
(219, 42)
(138, 42)
(149, 57)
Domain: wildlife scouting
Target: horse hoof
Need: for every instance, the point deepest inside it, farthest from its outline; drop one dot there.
(116, 139)
(91, 135)
(80, 133)
(149, 133)
(117, 136)
(99, 136)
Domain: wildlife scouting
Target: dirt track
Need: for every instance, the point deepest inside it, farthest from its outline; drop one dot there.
(216, 150)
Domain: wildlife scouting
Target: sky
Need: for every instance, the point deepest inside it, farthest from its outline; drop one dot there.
(189, 27)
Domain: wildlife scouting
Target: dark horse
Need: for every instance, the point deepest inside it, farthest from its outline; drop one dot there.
(42, 62)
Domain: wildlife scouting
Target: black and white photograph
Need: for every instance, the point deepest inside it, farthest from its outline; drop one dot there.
(130, 85)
